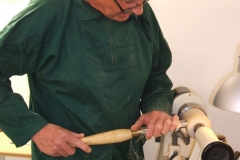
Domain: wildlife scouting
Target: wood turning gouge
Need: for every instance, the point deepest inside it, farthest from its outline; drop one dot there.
(114, 136)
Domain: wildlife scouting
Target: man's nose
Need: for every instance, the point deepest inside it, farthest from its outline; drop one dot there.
(138, 10)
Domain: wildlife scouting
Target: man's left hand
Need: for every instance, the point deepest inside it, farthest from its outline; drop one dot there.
(157, 122)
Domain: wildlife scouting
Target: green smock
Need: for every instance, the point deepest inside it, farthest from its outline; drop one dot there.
(86, 73)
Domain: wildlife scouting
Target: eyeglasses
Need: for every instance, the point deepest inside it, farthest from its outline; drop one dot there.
(129, 9)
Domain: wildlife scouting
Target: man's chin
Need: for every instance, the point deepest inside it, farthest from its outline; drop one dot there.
(121, 19)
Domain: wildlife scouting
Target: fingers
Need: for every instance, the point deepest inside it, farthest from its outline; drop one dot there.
(78, 143)
(57, 141)
(139, 123)
(175, 122)
(73, 140)
(63, 152)
(157, 122)
(60, 149)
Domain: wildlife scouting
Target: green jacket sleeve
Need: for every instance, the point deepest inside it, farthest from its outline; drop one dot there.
(157, 94)
(20, 53)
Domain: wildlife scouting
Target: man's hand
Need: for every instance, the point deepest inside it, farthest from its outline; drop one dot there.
(57, 141)
(157, 122)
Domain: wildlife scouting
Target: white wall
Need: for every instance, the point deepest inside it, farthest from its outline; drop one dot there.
(204, 36)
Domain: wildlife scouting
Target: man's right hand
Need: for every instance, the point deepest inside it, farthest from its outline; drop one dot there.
(56, 141)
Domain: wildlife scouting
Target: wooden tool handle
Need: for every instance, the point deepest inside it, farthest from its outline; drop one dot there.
(109, 137)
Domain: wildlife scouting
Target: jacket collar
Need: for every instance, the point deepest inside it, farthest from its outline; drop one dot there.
(86, 11)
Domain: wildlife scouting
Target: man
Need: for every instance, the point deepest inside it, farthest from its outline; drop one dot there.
(92, 67)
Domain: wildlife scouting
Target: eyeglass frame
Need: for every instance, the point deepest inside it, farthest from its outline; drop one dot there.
(129, 9)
